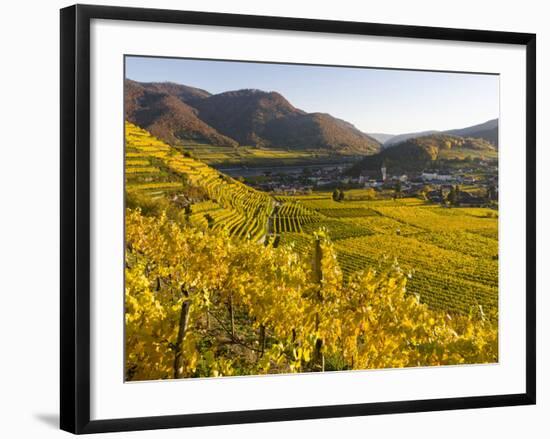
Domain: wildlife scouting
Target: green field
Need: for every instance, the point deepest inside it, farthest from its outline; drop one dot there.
(451, 254)
(250, 156)
(462, 153)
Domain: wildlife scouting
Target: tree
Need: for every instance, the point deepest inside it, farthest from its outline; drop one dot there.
(452, 196)
(336, 195)
(397, 189)
(302, 314)
(425, 191)
(457, 195)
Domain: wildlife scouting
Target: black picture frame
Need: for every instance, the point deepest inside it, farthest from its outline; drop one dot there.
(75, 217)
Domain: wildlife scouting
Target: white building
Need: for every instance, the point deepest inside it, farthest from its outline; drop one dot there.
(429, 176)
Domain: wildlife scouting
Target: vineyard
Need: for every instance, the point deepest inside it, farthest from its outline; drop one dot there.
(250, 156)
(156, 169)
(451, 254)
(224, 279)
(199, 304)
(160, 170)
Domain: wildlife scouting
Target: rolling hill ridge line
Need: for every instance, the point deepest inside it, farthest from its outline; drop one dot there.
(487, 131)
(417, 154)
(178, 113)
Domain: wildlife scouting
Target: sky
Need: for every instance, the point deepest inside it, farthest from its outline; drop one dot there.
(374, 100)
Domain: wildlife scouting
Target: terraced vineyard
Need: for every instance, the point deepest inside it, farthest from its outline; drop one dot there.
(250, 156)
(292, 217)
(451, 253)
(443, 278)
(158, 170)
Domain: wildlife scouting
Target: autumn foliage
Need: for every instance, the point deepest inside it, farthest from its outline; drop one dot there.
(200, 303)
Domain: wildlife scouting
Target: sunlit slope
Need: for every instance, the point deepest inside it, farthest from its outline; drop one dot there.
(452, 254)
(158, 170)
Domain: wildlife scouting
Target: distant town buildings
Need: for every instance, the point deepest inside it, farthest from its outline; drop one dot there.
(472, 186)
(433, 176)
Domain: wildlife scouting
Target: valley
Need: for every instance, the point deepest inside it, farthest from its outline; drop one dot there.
(450, 253)
(261, 238)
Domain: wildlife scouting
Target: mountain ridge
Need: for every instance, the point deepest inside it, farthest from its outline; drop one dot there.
(381, 137)
(406, 136)
(238, 117)
(414, 154)
(487, 130)
(166, 115)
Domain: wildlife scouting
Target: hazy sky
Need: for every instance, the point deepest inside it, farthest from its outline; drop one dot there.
(374, 100)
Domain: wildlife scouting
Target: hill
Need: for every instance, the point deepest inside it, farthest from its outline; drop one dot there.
(319, 131)
(267, 119)
(381, 137)
(163, 111)
(157, 171)
(243, 114)
(487, 131)
(415, 154)
(406, 136)
(177, 113)
(184, 92)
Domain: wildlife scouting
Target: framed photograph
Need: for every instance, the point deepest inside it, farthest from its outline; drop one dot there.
(268, 219)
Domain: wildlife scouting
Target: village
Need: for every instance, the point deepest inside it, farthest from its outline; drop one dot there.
(475, 185)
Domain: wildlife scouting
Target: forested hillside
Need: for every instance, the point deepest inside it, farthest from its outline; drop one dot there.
(416, 154)
(183, 114)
